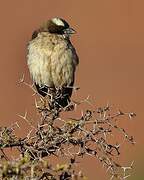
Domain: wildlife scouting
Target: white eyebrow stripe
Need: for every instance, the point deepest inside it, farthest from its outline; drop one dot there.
(58, 21)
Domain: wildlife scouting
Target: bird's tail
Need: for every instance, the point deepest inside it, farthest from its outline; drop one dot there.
(60, 97)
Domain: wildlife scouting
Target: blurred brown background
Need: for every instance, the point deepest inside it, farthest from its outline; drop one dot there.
(110, 44)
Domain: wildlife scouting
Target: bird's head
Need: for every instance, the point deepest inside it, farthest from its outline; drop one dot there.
(57, 26)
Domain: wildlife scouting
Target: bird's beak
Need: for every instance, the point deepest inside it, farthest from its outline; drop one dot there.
(69, 31)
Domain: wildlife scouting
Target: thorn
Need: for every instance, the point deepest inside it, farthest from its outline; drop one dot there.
(28, 135)
(21, 79)
(23, 117)
(36, 105)
(131, 115)
(132, 164)
(126, 176)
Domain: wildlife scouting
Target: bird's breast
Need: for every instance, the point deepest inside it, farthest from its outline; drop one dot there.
(50, 62)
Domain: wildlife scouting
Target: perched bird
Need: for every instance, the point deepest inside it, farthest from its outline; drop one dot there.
(52, 60)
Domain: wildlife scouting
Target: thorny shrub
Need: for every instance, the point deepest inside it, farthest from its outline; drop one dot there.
(73, 138)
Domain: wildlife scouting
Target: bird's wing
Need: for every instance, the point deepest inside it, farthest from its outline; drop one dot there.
(39, 59)
(35, 34)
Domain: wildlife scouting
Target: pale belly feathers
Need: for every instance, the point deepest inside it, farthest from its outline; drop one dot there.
(51, 63)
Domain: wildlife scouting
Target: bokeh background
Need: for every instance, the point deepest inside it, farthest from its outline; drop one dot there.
(110, 44)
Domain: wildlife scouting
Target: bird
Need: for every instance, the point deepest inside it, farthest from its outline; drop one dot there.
(52, 60)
